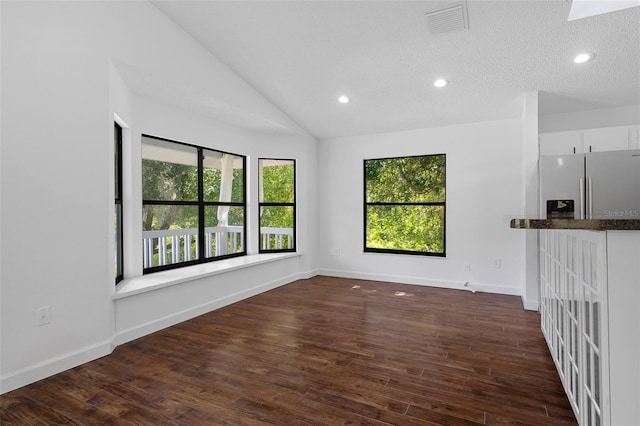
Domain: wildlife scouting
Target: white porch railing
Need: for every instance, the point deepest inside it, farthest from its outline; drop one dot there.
(276, 238)
(166, 247)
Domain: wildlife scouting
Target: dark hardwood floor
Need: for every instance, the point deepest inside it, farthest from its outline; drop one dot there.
(324, 351)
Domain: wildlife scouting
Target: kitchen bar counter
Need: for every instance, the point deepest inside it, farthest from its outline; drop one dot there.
(590, 286)
(586, 224)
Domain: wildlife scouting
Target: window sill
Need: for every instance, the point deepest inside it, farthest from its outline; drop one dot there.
(132, 286)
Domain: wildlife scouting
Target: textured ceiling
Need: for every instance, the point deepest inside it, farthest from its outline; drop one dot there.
(301, 55)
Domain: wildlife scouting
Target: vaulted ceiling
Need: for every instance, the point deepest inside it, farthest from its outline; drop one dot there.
(302, 55)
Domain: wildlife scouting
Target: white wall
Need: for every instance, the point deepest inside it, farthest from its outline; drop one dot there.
(484, 191)
(55, 191)
(59, 92)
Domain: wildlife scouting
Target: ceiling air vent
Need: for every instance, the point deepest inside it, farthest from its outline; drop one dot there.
(452, 18)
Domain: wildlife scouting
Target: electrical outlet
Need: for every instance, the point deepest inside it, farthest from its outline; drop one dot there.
(467, 266)
(334, 252)
(44, 316)
(497, 262)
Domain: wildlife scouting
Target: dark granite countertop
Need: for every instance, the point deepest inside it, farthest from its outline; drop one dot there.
(587, 224)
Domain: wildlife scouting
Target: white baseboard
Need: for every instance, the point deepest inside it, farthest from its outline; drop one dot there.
(56, 365)
(429, 282)
(308, 274)
(124, 336)
(530, 305)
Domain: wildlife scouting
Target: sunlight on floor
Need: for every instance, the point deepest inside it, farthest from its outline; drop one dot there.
(402, 293)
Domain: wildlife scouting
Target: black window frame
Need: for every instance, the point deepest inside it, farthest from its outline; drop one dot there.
(201, 204)
(119, 214)
(374, 203)
(272, 204)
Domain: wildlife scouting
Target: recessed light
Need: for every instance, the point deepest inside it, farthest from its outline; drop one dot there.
(343, 99)
(583, 57)
(440, 82)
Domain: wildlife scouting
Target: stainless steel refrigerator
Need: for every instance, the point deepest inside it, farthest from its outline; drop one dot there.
(596, 185)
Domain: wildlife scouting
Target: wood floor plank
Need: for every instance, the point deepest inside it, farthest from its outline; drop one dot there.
(322, 351)
(34, 412)
(82, 412)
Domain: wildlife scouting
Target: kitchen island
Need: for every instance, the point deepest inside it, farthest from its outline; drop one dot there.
(589, 306)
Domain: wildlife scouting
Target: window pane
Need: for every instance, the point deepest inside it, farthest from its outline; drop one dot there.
(117, 136)
(276, 228)
(180, 185)
(407, 228)
(169, 234)
(118, 233)
(277, 181)
(223, 177)
(224, 230)
(405, 180)
(169, 171)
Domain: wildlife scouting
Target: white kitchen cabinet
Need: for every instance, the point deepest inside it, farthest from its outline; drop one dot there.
(561, 143)
(634, 137)
(590, 288)
(590, 140)
(607, 139)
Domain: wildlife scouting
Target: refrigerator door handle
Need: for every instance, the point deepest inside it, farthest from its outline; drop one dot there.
(590, 198)
(581, 204)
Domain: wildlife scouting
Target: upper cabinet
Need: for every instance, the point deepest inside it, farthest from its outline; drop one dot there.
(561, 143)
(590, 140)
(610, 139)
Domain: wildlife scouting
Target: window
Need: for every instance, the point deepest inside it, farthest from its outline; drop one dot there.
(193, 204)
(277, 205)
(117, 139)
(404, 205)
